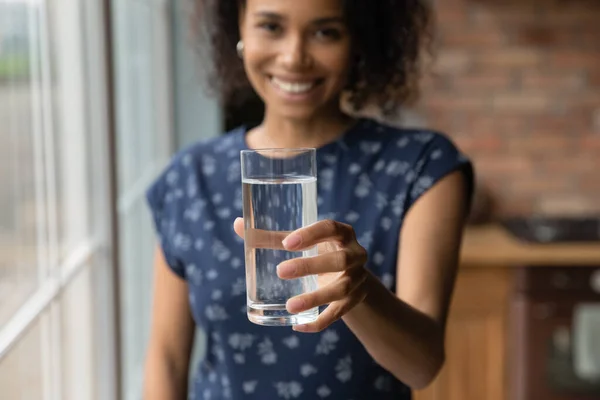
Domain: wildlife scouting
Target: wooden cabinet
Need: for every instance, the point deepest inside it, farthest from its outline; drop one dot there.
(476, 344)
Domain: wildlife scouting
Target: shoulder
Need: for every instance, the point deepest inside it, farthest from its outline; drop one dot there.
(403, 139)
(201, 162)
(422, 156)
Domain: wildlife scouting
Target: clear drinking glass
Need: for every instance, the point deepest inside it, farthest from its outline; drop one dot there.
(279, 189)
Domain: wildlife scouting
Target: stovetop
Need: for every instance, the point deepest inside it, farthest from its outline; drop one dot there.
(540, 229)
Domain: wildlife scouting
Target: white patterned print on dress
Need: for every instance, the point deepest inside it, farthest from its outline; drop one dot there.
(343, 369)
(370, 147)
(424, 137)
(236, 263)
(212, 274)
(193, 274)
(378, 258)
(381, 200)
(326, 178)
(354, 169)
(352, 217)
(307, 370)
(403, 142)
(249, 386)
(194, 211)
(266, 352)
(238, 287)
(388, 281)
(182, 242)
(234, 172)
(379, 165)
(363, 188)
(421, 186)
(186, 160)
(223, 212)
(215, 312)
(172, 178)
(330, 159)
(220, 251)
(366, 239)
(398, 204)
(288, 390)
(328, 342)
(191, 187)
(436, 154)
(323, 391)
(239, 358)
(225, 384)
(209, 165)
(208, 225)
(291, 341)
(396, 168)
(241, 341)
(386, 223)
(217, 351)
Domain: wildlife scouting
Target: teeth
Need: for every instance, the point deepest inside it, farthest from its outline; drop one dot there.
(292, 87)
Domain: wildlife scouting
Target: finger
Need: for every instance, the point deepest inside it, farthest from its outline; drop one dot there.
(259, 238)
(336, 261)
(238, 227)
(322, 231)
(332, 313)
(339, 289)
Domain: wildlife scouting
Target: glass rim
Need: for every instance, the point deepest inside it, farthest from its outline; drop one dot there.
(280, 150)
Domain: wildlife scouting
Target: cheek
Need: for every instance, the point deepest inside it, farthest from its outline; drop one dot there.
(254, 65)
(337, 63)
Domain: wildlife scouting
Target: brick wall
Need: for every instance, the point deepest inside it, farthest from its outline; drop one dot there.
(517, 84)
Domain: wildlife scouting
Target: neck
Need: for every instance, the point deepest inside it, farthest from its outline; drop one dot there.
(279, 132)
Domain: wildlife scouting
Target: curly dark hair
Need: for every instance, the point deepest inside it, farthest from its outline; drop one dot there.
(387, 38)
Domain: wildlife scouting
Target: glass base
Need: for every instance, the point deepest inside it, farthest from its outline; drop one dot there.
(277, 315)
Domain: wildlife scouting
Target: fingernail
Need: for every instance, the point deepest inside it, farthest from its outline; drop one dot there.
(286, 270)
(294, 305)
(292, 241)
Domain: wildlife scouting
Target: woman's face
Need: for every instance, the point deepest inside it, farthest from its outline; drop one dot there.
(296, 54)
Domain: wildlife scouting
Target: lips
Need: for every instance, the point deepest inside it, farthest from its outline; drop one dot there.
(294, 87)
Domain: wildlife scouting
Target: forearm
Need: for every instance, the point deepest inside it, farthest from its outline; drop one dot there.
(164, 379)
(401, 339)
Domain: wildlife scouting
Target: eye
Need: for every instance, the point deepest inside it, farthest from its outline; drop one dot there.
(328, 34)
(270, 27)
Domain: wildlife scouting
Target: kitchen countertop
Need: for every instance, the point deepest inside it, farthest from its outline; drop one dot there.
(490, 245)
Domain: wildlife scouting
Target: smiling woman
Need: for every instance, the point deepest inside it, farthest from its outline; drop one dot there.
(379, 44)
(391, 208)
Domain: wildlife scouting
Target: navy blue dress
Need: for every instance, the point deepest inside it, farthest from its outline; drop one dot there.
(368, 178)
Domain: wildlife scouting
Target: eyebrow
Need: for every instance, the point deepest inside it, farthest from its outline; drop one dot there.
(319, 21)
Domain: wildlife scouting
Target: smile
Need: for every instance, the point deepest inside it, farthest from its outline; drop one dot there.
(294, 87)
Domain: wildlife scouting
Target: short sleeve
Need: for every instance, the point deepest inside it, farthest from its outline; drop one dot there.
(439, 158)
(164, 201)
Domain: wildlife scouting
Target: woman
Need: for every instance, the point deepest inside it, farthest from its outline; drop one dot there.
(393, 203)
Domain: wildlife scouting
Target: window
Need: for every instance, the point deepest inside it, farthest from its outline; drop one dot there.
(55, 273)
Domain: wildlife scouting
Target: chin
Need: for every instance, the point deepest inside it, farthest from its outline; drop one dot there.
(297, 113)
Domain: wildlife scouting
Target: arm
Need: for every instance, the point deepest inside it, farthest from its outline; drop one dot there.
(409, 339)
(171, 338)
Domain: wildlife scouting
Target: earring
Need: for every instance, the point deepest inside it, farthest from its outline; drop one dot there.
(240, 49)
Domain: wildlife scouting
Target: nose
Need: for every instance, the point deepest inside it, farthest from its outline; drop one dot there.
(294, 53)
